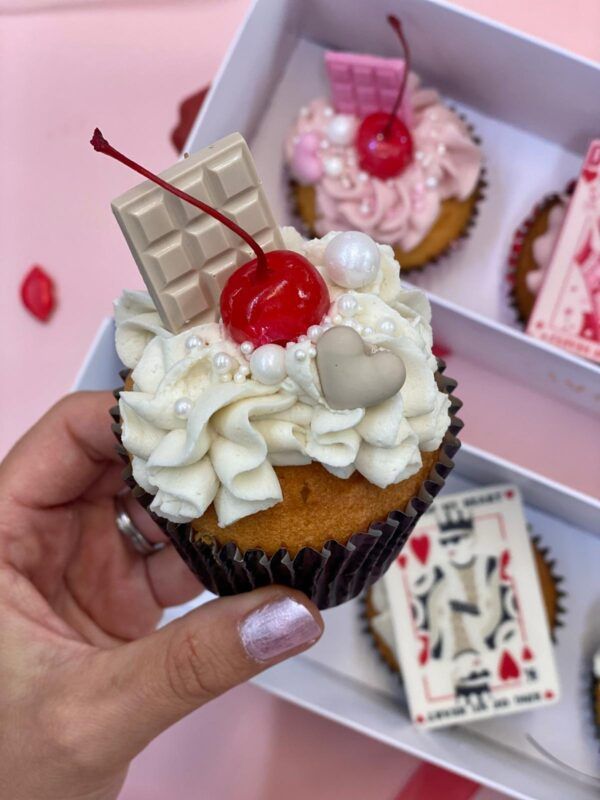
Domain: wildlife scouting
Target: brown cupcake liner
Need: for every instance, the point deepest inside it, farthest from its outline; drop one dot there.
(555, 616)
(329, 577)
(520, 236)
(479, 194)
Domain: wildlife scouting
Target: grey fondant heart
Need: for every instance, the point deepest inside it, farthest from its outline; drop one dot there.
(352, 378)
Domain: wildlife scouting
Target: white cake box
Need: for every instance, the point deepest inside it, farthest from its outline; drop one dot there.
(531, 103)
(343, 679)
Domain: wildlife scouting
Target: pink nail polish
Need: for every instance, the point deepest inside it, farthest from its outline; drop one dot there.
(277, 628)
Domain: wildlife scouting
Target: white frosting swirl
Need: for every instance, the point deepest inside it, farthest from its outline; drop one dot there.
(225, 449)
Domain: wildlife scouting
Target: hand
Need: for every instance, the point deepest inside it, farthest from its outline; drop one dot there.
(85, 680)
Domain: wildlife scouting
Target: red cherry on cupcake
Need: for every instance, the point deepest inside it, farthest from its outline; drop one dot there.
(275, 297)
(383, 142)
(276, 305)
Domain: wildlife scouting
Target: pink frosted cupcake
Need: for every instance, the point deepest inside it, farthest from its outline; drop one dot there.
(385, 156)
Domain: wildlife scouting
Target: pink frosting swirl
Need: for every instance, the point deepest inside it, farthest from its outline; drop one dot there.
(543, 246)
(400, 210)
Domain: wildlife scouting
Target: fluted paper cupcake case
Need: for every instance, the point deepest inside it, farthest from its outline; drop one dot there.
(329, 577)
(454, 244)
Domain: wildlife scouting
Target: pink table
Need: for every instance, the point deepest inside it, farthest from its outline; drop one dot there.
(125, 67)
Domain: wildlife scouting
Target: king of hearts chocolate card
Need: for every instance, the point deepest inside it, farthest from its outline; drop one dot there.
(468, 613)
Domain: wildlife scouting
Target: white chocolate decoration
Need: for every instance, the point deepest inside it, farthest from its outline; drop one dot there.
(352, 260)
(353, 378)
(198, 434)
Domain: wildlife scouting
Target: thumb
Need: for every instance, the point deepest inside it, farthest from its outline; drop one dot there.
(145, 686)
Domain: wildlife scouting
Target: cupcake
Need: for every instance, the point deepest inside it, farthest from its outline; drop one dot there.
(297, 435)
(379, 619)
(596, 689)
(532, 249)
(385, 156)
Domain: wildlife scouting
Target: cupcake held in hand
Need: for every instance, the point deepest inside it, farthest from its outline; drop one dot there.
(384, 156)
(293, 428)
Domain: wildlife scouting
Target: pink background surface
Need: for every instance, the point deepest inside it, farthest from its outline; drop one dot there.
(125, 67)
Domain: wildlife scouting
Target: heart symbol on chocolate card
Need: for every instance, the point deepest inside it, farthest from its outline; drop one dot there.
(509, 668)
(420, 547)
(527, 655)
(589, 174)
(350, 376)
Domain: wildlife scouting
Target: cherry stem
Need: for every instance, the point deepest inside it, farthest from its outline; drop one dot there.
(397, 26)
(100, 144)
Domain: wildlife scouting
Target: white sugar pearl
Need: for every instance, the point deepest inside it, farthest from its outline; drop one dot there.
(352, 259)
(363, 177)
(419, 155)
(225, 378)
(347, 305)
(341, 129)
(192, 342)
(314, 332)
(441, 148)
(312, 352)
(244, 370)
(324, 144)
(328, 111)
(239, 377)
(337, 319)
(246, 348)
(268, 364)
(333, 166)
(326, 320)
(223, 363)
(367, 330)
(431, 182)
(300, 355)
(387, 326)
(182, 407)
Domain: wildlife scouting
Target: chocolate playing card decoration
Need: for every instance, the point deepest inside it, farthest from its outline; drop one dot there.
(468, 612)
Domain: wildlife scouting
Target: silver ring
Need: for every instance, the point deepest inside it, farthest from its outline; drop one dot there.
(132, 533)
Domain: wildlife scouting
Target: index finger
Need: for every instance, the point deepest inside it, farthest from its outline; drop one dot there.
(64, 453)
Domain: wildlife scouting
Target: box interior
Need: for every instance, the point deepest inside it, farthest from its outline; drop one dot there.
(500, 82)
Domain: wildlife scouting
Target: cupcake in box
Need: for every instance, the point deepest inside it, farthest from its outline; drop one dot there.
(384, 155)
(283, 418)
(532, 248)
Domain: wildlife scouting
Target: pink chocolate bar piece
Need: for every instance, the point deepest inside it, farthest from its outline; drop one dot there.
(362, 84)
(184, 255)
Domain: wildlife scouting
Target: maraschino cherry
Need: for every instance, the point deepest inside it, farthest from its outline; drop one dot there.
(274, 298)
(383, 141)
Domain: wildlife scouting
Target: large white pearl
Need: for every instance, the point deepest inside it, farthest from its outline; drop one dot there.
(347, 305)
(192, 342)
(352, 260)
(223, 363)
(341, 129)
(267, 364)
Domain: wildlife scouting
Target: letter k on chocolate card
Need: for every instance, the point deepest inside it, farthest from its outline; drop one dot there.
(468, 612)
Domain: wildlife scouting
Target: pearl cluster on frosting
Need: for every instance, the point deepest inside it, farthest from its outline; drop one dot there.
(311, 159)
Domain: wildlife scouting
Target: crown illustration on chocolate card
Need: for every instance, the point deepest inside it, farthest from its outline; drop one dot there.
(455, 520)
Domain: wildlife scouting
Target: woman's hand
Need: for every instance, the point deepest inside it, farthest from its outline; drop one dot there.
(85, 680)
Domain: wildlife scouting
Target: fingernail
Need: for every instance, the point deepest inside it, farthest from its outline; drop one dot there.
(277, 628)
